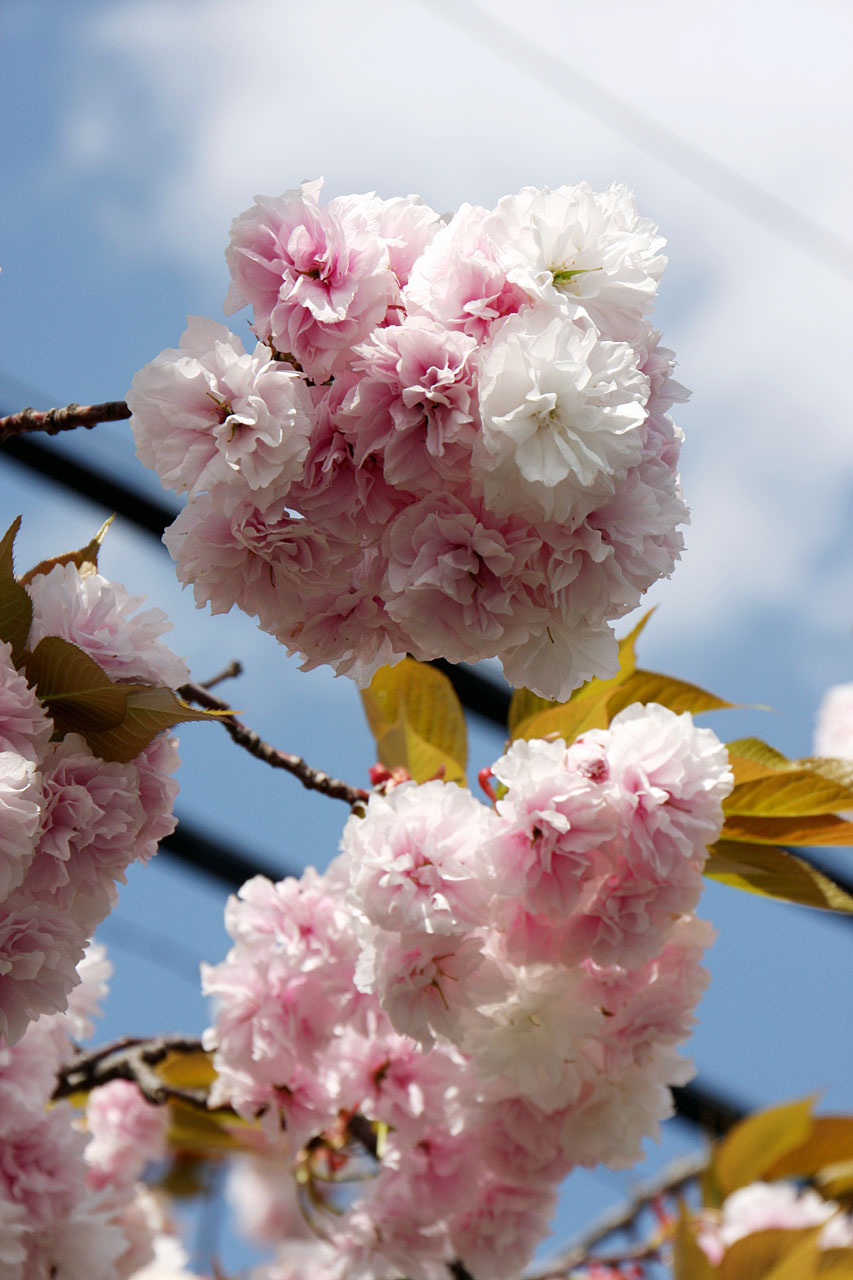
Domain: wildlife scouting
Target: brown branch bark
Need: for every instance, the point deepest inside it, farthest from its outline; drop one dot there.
(668, 1181)
(312, 779)
(130, 1059)
(52, 421)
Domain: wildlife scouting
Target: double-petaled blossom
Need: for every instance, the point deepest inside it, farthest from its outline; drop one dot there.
(466, 419)
(501, 991)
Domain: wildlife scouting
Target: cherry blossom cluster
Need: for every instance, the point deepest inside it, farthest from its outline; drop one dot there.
(451, 439)
(497, 994)
(72, 822)
(765, 1206)
(70, 1205)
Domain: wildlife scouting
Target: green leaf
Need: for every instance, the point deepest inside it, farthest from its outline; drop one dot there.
(16, 607)
(799, 792)
(149, 711)
(417, 721)
(829, 1143)
(756, 1143)
(86, 559)
(758, 752)
(774, 873)
(76, 690)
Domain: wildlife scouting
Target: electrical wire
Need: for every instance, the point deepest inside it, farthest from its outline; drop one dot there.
(545, 67)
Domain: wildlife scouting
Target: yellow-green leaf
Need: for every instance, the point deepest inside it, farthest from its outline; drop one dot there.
(755, 1144)
(771, 1255)
(688, 1260)
(567, 719)
(417, 721)
(774, 873)
(795, 793)
(16, 607)
(76, 690)
(525, 705)
(149, 711)
(196, 1131)
(835, 1181)
(187, 1069)
(835, 1264)
(677, 695)
(819, 829)
(758, 752)
(829, 1143)
(86, 559)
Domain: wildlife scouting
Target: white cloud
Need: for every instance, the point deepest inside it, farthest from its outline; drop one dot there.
(255, 97)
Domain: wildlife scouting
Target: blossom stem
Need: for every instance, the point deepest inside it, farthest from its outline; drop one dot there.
(52, 421)
(313, 779)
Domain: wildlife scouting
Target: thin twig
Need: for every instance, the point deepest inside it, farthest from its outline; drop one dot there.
(669, 1179)
(230, 672)
(52, 421)
(313, 779)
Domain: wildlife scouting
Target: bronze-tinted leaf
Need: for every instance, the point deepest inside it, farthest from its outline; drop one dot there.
(86, 559)
(417, 721)
(755, 1144)
(526, 707)
(688, 1260)
(149, 711)
(819, 829)
(791, 793)
(776, 1254)
(677, 695)
(76, 690)
(16, 607)
(829, 1143)
(774, 873)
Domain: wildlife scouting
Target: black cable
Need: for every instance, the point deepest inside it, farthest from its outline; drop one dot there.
(694, 1102)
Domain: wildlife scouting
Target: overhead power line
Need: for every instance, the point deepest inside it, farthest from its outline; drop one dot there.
(720, 180)
(694, 1103)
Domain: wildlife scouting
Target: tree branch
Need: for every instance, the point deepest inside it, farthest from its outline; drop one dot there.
(671, 1178)
(130, 1059)
(52, 421)
(313, 779)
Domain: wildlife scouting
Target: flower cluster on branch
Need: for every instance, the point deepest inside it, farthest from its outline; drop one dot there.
(451, 439)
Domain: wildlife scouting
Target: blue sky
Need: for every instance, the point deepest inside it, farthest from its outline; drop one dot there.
(134, 130)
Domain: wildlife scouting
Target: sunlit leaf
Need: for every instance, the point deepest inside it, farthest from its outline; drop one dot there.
(86, 559)
(195, 1131)
(417, 721)
(568, 719)
(774, 873)
(755, 1144)
(677, 695)
(819, 829)
(76, 690)
(795, 793)
(688, 1260)
(187, 1069)
(524, 705)
(835, 1264)
(753, 749)
(835, 1181)
(829, 1143)
(16, 607)
(149, 711)
(771, 1255)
